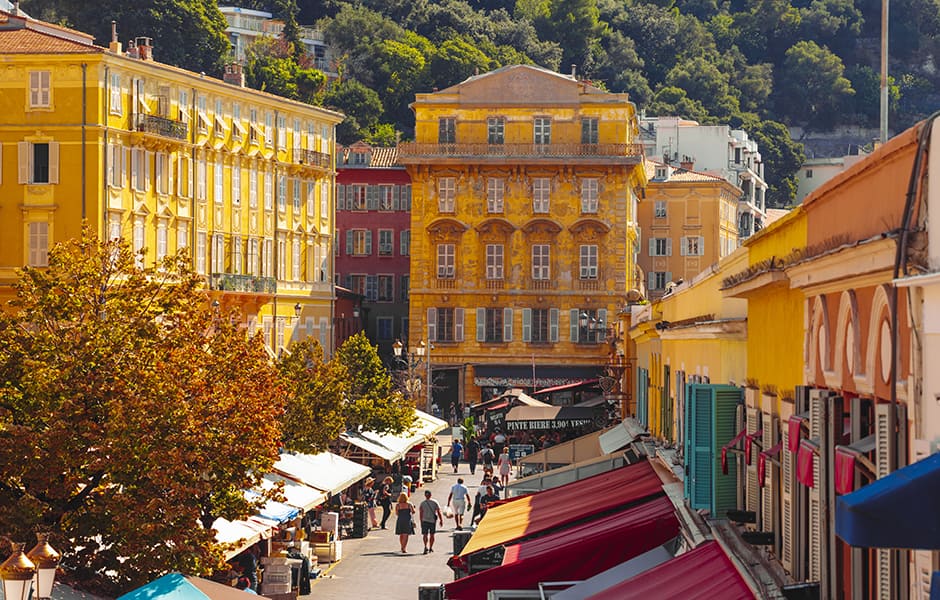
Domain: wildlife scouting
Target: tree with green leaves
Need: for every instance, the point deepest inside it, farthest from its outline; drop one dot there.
(132, 416)
(813, 83)
(360, 104)
(270, 66)
(371, 402)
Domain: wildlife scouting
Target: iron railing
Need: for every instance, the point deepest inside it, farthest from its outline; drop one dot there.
(162, 126)
(242, 283)
(312, 157)
(416, 150)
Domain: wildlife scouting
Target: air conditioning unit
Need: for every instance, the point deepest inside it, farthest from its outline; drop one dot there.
(431, 591)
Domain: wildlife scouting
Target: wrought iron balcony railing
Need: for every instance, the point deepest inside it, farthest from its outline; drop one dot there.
(410, 151)
(162, 126)
(242, 283)
(312, 157)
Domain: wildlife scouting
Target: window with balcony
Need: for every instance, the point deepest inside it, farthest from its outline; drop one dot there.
(541, 194)
(589, 195)
(541, 261)
(385, 242)
(446, 194)
(659, 209)
(446, 265)
(494, 261)
(446, 130)
(495, 130)
(660, 247)
(494, 195)
(254, 267)
(386, 288)
(542, 128)
(588, 254)
(589, 130)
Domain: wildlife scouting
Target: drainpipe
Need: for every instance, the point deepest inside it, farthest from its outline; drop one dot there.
(104, 173)
(84, 123)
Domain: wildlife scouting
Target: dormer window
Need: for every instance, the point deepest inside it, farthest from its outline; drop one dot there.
(662, 173)
(360, 158)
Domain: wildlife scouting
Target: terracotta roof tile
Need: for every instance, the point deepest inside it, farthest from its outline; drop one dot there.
(677, 174)
(380, 158)
(26, 41)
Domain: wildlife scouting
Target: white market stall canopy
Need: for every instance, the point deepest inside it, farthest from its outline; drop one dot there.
(394, 447)
(240, 534)
(296, 494)
(324, 471)
(621, 435)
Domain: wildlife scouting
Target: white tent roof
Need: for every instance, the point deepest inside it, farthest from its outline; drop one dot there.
(295, 493)
(241, 534)
(620, 435)
(393, 447)
(324, 471)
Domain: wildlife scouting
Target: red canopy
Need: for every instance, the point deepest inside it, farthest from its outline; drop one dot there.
(554, 508)
(705, 573)
(577, 552)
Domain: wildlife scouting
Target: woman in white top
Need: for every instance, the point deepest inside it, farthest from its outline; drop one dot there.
(505, 465)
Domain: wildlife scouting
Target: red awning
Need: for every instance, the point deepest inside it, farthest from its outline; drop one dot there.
(748, 442)
(705, 573)
(762, 461)
(585, 550)
(548, 510)
(724, 450)
(805, 467)
(795, 431)
(566, 386)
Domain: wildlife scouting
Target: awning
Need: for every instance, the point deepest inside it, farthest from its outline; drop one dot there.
(549, 510)
(324, 471)
(805, 466)
(506, 376)
(597, 545)
(896, 511)
(276, 512)
(394, 447)
(567, 386)
(296, 494)
(795, 430)
(724, 450)
(239, 534)
(704, 573)
(619, 436)
(615, 575)
(846, 458)
(762, 461)
(427, 425)
(529, 418)
(175, 586)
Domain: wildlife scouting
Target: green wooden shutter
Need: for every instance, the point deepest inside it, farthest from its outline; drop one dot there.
(349, 242)
(526, 324)
(481, 324)
(700, 469)
(372, 197)
(725, 427)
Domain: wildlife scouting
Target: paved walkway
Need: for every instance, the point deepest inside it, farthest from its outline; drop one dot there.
(374, 567)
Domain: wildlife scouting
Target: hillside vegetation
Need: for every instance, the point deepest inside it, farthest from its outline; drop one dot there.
(756, 64)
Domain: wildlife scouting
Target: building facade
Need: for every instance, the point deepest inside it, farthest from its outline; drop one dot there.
(718, 150)
(240, 180)
(525, 185)
(689, 221)
(373, 226)
(246, 26)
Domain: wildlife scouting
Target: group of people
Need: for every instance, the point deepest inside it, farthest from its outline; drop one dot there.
(475, 453)
(460, 502)
(429, 513)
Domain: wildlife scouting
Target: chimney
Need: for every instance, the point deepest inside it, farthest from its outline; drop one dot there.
(234, 75)
(145, 48)
(574, 71)
(687, 163)
(16, 8)
(132, 49)
(115, 45)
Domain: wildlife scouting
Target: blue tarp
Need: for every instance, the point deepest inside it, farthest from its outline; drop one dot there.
(273, 510)
(897, 511)
(169, 587)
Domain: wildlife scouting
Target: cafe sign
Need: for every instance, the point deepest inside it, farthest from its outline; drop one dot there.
(546, 424)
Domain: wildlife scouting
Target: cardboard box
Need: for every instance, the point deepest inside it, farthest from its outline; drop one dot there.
(321, 537)
(328, 552)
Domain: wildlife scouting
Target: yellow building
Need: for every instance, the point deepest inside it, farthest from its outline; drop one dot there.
(169, 160)
(689, 221)
(523, 228)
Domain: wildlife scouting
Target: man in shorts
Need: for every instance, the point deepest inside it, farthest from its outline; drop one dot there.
(459, 494)
(430, 512)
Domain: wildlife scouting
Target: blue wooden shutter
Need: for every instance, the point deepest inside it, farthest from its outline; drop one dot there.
(526, 324)
(553, 324)
(481, 324)
(573, 316)
(507, 324)
(700, 463)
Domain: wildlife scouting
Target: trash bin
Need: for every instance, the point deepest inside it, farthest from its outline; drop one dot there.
(460, 540)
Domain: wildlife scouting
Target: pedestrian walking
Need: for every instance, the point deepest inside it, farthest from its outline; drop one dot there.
(473, 454)
(369, 497)
(505, 465)
(456, 450)
(481, 491)
(457, 499)
(404, 522)
(430, 514)
(487, 456)
(384, 499)
(486, 501)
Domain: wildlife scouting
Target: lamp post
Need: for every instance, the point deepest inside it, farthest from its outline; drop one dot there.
(425, 351)
(20, 570)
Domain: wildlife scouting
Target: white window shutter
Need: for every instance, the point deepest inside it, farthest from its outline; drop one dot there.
(458, 324)
(768, 511)
(573, 325)
(752, 485)
(652, 246)
(787, 516)
(481, 324)
(815, 502)
(526, 324)
(602, 317)
(701, 245)
(111, 166)
(23, 149)
(148, 157)
(507, 324)
(432, 325)
(553, 324)
(884, 459)
(124, 152)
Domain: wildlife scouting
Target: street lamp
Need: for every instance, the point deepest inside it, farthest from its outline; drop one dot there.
(18, 571)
